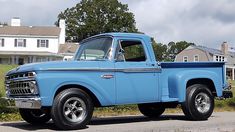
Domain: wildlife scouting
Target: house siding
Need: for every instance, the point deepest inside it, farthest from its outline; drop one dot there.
(203, 56)
(210, 54)
(31, 44)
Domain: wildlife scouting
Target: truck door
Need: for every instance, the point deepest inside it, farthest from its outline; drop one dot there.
(136, 77)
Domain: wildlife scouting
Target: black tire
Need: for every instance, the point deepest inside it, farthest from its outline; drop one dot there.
(35, 116)
(199, 103)
(153, 110)
(68, 106)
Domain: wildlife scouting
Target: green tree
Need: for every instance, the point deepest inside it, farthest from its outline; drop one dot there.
(91, 17)
(160, 50)
(176, 48)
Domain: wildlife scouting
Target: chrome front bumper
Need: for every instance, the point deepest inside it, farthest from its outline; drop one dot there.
(26, 103)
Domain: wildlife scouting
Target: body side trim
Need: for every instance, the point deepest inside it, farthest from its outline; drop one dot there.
(127, 70)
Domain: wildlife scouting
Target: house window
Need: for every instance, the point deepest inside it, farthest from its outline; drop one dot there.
(42, 43)
(219, 58)
(1, 42)
(20, 42)
(185, 59)
(196, 58)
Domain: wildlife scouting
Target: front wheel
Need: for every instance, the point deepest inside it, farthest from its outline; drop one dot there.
(72, 109)
(34, 116)
(152, 110)
(199, 103)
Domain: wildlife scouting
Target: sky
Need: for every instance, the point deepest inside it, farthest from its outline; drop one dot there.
(203, 22)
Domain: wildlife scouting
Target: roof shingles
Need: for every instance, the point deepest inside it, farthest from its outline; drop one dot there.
(29, 31)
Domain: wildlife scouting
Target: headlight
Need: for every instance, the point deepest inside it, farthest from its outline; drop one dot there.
(33, 87)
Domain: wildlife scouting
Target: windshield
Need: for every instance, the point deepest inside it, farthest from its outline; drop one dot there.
(95, 49)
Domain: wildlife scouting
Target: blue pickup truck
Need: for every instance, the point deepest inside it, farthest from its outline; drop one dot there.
(113, 69)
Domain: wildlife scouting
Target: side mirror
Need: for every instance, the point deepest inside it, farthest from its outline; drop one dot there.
(120, 56)
(121, 51)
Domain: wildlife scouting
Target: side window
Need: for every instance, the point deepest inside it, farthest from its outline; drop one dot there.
(130, 51)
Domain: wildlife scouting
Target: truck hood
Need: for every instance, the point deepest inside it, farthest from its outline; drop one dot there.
(55, 65)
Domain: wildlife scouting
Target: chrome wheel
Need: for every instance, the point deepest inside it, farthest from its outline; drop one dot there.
(202, 102)
(74, 110)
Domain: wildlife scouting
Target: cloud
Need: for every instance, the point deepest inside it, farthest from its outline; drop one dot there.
(204, 22)
(33, 12)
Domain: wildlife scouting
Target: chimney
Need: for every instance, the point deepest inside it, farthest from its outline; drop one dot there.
(62, 31)
(15, 21)
(224, 48)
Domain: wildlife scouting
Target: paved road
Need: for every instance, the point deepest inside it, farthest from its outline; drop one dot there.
(221, 122)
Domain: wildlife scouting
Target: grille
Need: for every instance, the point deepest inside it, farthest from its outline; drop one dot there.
(20, 88)
(21, 84)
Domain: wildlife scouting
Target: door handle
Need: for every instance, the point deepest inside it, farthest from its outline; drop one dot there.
(107, 76)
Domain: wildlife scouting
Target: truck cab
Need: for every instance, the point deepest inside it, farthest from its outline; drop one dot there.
(113, 69)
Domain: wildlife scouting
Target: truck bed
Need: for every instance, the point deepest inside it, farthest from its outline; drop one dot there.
(171, 72)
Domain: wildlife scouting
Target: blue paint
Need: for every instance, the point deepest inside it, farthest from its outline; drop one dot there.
(164, 85)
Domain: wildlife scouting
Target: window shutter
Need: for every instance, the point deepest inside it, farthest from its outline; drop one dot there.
(15, 42)
(2, 42)
(38, 43)
(47, 43)
(24, 42)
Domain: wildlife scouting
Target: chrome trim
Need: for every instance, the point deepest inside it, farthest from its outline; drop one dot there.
(107, 76)
(29, 103)
(20, 76)
(20, 80)
(21, 88)
(21, 84)
(126, 70)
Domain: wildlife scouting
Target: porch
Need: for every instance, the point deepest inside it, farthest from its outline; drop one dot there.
(20, 58)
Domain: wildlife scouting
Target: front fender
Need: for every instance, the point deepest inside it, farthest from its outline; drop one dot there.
(177, 82)
(50, 83)
(92, 86)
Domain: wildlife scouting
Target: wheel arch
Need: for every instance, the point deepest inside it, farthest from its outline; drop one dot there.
(86, 90)
(204, 81)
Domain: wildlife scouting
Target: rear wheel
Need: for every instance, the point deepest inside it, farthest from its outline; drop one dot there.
(72, 109)
(35, 117)
(152, 110)
(199, 103)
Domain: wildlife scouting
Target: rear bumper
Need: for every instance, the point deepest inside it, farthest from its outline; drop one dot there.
(26, 103)
(227, 94)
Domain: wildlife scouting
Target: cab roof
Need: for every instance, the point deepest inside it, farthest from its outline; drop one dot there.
(119, 34)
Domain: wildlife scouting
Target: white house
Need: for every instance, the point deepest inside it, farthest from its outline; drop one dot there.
(27, 44)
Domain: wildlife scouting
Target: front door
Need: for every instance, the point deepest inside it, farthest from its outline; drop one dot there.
(136, 78)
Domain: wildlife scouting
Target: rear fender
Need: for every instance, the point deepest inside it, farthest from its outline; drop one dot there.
(177, 82)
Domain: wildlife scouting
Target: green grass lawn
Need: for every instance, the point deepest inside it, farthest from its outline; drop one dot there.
(3, 70)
